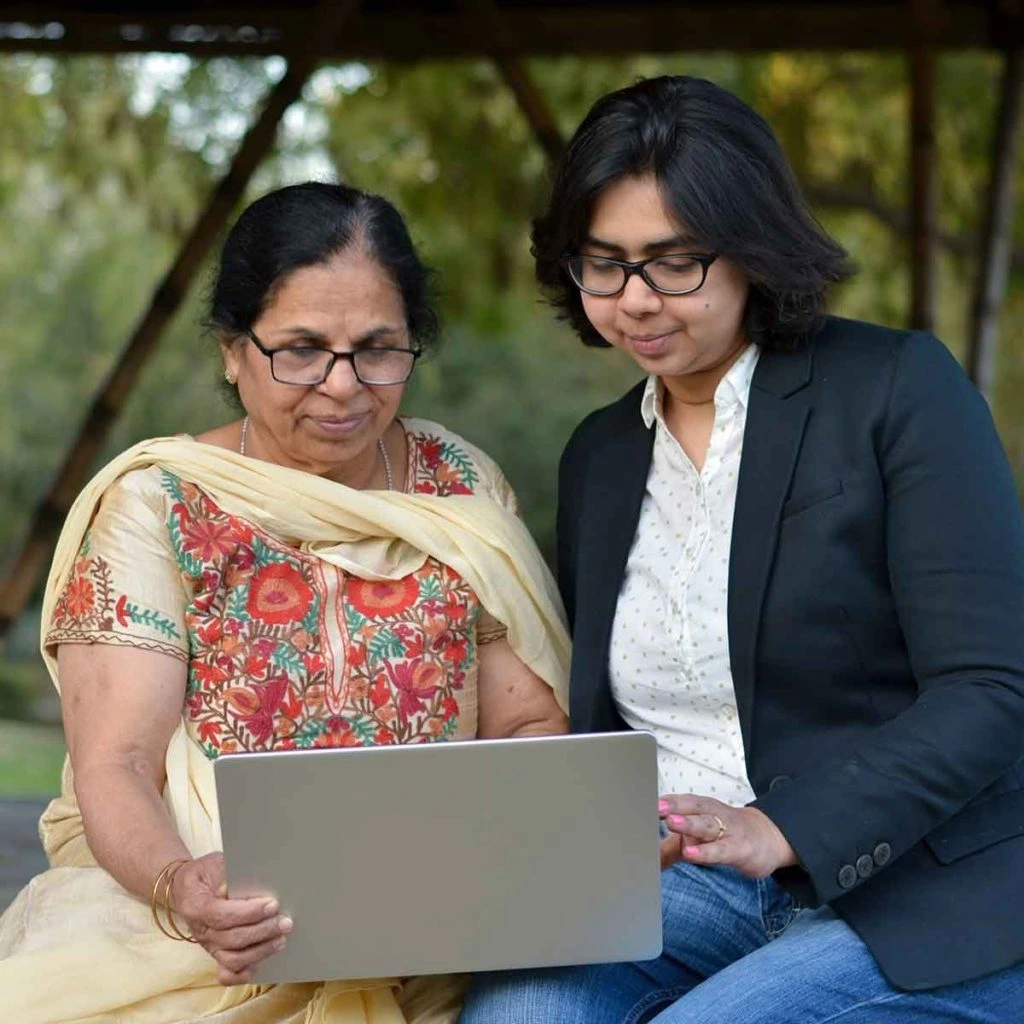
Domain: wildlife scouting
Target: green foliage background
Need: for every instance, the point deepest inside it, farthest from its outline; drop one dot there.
(104, 163)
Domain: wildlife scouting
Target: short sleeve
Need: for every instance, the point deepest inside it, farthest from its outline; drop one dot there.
(125, 588)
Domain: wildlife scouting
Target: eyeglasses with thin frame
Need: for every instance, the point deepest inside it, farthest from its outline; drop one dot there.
(677, 273)
(308, 365)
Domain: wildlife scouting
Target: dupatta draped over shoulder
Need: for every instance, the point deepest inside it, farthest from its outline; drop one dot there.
(75, 946)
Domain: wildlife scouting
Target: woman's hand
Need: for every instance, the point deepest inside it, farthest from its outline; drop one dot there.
(706, 831)
(237, 933)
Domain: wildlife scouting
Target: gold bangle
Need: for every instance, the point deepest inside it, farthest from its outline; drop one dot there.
(152, 901)
(169, 904)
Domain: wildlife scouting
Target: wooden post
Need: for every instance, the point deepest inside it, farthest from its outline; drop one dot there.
(923, 154)
(16, 587)
(996, 233)
(498, 42)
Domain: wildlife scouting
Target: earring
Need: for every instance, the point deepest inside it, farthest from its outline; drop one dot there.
(230, 377)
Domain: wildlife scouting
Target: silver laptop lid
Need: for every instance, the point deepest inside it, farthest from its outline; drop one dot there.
(449, 857)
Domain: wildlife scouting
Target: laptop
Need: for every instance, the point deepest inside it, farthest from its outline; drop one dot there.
(449, 857)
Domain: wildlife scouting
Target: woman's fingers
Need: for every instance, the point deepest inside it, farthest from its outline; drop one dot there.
(702, 828)
(710, 832)
(239, 961)
(253, 935)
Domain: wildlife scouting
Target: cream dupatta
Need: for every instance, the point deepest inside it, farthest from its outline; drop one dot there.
(74, 946)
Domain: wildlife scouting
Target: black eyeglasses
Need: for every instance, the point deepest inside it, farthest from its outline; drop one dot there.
(307, 366)
(672, 274)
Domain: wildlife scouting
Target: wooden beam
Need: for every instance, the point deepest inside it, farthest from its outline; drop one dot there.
(503, 47)
(20, 580)
(997, 228)
(415, 31)
(923, 157)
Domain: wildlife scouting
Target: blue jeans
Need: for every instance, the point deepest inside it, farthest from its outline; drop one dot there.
(739, 951)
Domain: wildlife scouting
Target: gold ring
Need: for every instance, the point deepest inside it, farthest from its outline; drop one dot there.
(721, 827)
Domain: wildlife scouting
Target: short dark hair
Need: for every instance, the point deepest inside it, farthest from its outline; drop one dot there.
(723, 175)
(306, 225)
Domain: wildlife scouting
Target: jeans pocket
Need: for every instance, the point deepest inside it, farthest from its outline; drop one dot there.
(778, 907)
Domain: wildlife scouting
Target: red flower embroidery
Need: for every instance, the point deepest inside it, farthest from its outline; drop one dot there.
(278, 594)
(256, 706)
(378, 599)
(431, 452)
(208, 538)
(416, 680)
(380, 692)
(79, 598)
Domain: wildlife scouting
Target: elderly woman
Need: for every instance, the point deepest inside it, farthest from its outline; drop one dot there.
(320, 573)
(794, 553)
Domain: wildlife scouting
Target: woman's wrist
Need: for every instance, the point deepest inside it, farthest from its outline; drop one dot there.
(163, 897)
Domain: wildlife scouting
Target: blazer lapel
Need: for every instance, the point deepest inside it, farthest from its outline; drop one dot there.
(614, 492)
(776, 418)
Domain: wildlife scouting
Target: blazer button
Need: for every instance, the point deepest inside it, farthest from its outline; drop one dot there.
(882, 854)
(865, 865)
(847, 876)
(778, 782)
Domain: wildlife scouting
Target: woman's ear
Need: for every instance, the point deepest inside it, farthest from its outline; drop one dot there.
(230, 350)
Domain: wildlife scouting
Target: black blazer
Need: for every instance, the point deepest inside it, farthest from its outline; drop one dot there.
(876, 635)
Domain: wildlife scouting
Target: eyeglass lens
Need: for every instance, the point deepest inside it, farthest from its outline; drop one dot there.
(670, 273)
(372, 365)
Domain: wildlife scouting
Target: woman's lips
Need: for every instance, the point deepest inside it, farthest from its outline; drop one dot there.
(649, 344)
(341, 425)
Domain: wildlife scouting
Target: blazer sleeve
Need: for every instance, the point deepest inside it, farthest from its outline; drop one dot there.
(955, 551)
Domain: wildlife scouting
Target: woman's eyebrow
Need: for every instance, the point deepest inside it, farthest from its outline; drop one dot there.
(375, 334)
(682, 242)
(319, 338)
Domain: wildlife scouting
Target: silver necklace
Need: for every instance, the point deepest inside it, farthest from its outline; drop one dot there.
(384, 457)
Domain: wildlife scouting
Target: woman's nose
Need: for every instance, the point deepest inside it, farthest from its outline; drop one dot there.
(342, 379)
(638, 297)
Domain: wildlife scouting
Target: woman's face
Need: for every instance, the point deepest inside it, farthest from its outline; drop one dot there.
(331, 429)
(667, 335)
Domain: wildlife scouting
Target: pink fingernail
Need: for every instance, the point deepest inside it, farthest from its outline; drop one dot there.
(691, 851)
(286, 924)
(271, 907)
(663, 807)
(677, 820)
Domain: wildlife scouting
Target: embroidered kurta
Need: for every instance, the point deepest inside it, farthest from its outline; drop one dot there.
(669, 657)
(283, 650)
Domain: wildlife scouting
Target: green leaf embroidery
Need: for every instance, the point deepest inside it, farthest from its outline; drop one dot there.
(353, 619)
(287, 657)
(310, 731)
(266, 555)
(188, 563)
(148, 617)
(172, 485)
(236, 604)
(364, 727)
(430, 589)
(461, 459)
(384, 645)
(311, 622)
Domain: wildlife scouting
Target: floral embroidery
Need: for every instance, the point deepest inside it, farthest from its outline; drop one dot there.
(88, 604)
(383, 597)
(441, 467)
(285, 651)
(278, 594)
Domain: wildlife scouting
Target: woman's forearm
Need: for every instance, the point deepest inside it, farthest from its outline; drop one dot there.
(127, 825)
